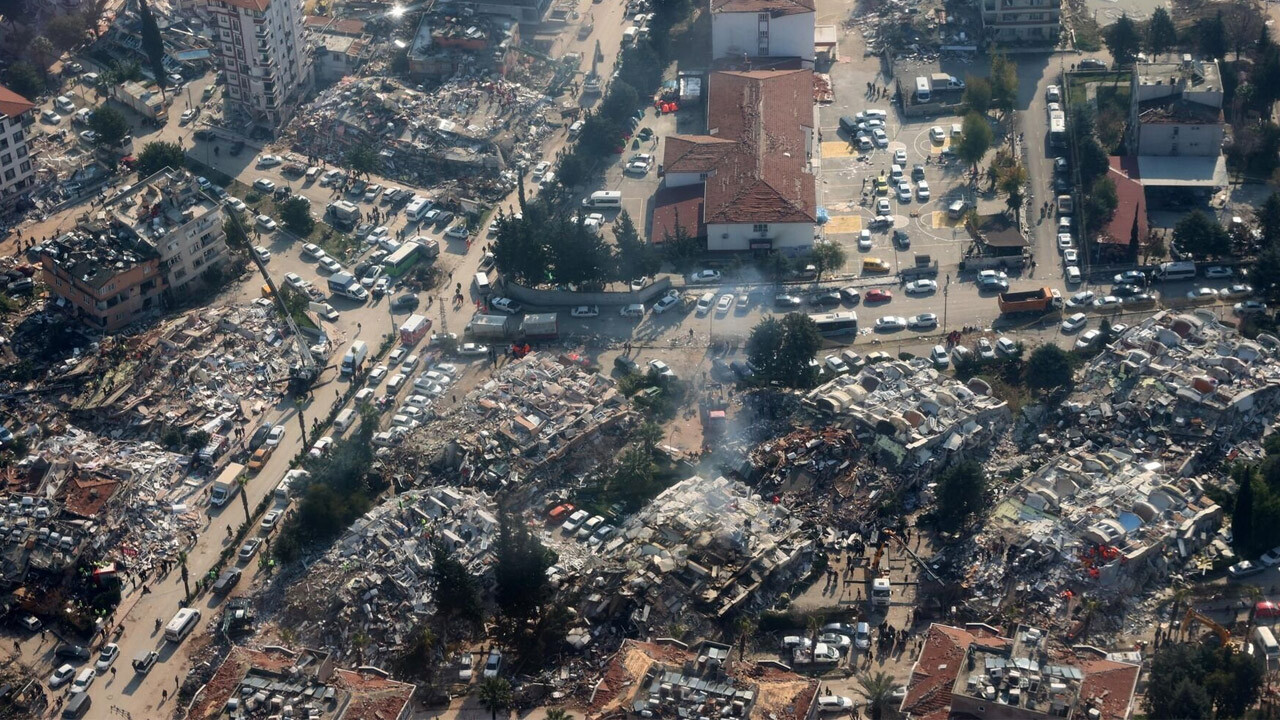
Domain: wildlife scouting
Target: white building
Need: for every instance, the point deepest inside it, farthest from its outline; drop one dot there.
(262, 48)
(1022, 22)
(762, 28)
(748, 183)
(16, 172)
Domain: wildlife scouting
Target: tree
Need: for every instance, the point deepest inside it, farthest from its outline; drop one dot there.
(518, 247)
(1242, 514)
(827, 256)
(746, 626)
(153, 45)
(962, 492)
(1161, 33)
(782, 348)
(975, 139)
(1111, 123)
(1135, 242)
(110, 124)
(1100, 204)
(25, 80)
(158, 155)
(457, 593)
(1268, 218)
(520, 569)
(1122, 40)
(236, 237)
(1212, 34)
(556, 713)
(621, 102)
(579, 256)
(1240, 23)
(1155, 247)
(1200, 236)
(363, 159)
(186, 575)
(1004, 83)
(1011, 180)
(494, 695)
(636, 257)
(42, 50)
(1049, 368)
(1266, 273)
(243, 482)
(571, 171)
(296, 214)
(1194, 681)
(681, 249)
(66, 31)
(878, 690)
(977, 94)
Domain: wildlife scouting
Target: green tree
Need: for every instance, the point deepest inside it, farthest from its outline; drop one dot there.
(827, 256)
(186, 574)
(363, 159)
(1004, 83)
(1111, 124)
(1212, 33)
(556, 713)
(457, 593)
(571, 171)
(1122, 40)
(296, 214)
(961, 492)
(975, 139)
(153, 45)
(494, 694)
(1161, 33)
(25, 80)
(520, 569)
(1267, 216)
(243, 482)
(1049, 368)
(977, 94)
(1201, 236)
(1242, 514)
(746, 627)
(42, 51)
(878, 689)
(621, 102)
(1012, 180)
(781, 349)
(681, 249)
(236, 237)
(158, 155)
(110, 124)
(636, 257)
(66, 31)
(1100, 204)
(1266, 272)
(1194, 681)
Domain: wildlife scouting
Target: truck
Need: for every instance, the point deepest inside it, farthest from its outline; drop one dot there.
(429, 245)
(343, 214)
(1040, 300)
(227, 485)
(925, 266)
(345, 284)
(491, 327)
(414, 329)
(881, 592)
(942, 81)
(1057, 128)
(354, 359)
(540, 326)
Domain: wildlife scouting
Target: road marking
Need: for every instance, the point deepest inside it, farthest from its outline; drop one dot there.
(844, 224)
(838, 149)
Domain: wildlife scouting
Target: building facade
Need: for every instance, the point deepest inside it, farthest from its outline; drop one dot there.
(17, 174)
(1031, 22)
(261, 45)
(103, 278)
(762, 28)
(1177, 108)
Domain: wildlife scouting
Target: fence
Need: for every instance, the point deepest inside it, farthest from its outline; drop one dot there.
(568, 298)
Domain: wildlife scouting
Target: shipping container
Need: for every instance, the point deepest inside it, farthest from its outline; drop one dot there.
(540, 326)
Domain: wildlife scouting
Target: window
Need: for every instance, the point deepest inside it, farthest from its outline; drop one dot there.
(10, 174)
(25, 166)
(760, 228)
(6, 158)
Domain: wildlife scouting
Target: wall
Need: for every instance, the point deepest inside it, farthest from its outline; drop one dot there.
(783, 236)
(565, 298)
(681, 179)
(736, 33)
(1168, 139)
(85, 299)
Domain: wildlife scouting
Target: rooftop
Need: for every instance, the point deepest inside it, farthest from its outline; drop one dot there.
(158, 204)
(1132, 206)
(1190, 74)
(12, 104)
(775, 8)
(95, 255)
(674, 207)
(334, 26)
(1178, 109)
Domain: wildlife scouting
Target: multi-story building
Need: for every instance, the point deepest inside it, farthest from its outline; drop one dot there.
(262, 48)
(748, 183)
(156, 243)
(17, 174)
(1177, 108)
(762, 28)
(1029, 22)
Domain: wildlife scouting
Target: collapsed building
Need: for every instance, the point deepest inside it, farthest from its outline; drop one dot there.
(305, 683)
(445, 45)
(646, 679)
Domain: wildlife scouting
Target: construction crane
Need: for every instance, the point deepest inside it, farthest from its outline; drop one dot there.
(1224, 635)
(303, 374)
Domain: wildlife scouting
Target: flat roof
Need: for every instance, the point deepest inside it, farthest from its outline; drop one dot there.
(1183, 171)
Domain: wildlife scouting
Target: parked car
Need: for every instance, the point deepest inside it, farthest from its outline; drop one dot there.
(506, 305)
(585, 311)
(704, 276)
(106, 656)
(1245, 568)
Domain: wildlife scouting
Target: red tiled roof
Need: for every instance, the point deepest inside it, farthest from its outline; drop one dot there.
(934, 674)
(373, 697)
(1108, 686)
(344, 26)
(775, 8)
(1132, 202)
(694, 153)
(85, 496)
(682, 204)
(12, 104)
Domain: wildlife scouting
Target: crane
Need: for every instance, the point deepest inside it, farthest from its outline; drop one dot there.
(1224, 635)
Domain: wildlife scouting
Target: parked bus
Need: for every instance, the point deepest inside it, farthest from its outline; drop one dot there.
(1057, 128)
(836, 323)
(402, 259)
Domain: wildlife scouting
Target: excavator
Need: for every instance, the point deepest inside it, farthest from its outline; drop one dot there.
(1224, 635)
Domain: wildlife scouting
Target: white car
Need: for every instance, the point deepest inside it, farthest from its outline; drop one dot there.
(410, 361)
(705, 276)
(321, 447)
(84, 680)
(662, 369)
(986, 350)
(883, 207)
(922, 191)
(506, 305)
(1064, 224)
(640, 164)
(666, 303)
(1086, 339)
(864, 240)
(1203, 293)
(295, 281)
(51, 117)
(834, 704)
(704, 304)
(270, 520)
(188, 116)
(106, 657)
(1250, 307)
(378, 372)
(61, 677)
(919, 287)
(269, 161)
(312, 250)
(904, 191)
(836, 365)
(891, 322)
(923, 321)
(1075, 322)
(472, 349)
(585, 311)
(1007, 346)
(1271, 558)
(437, 376)
(265, 222)
(724, 304)
(1217, 271)
(264, 185)
(237, 204)
(1080, 299)
(900, 157)
(275, 436)
(880, 137)
(331, 265)
(937, 134)
(1106, 302)
(263, 254)
(417, 401)
(541, 169)
(939, 357)
(1070, 256)
(1065, 242)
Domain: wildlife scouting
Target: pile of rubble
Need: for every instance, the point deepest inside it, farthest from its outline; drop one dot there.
(376, 580)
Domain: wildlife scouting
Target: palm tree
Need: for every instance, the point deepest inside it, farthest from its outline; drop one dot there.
(243, 481)
(182, 565)
(746, 627)
(878, 689)
(558, 714)
(495, 695)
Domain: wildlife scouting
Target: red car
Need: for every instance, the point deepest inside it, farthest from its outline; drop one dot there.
(560, 513)
(877, 296)
(1266, 610)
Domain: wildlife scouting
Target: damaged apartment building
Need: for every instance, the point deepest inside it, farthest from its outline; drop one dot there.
(377, 579)
(912, 415)
(125, 260)
(305, 683)
(703, 546)
(446, 44)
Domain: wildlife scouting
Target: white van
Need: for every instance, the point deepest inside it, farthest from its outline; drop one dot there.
(603, 199)
(482, 283)
(181, 625)
(416, 208)
(629, 35)
(923, 90)
(344, 419)
(1265, 641)
(632, 310)
(1181, 270)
